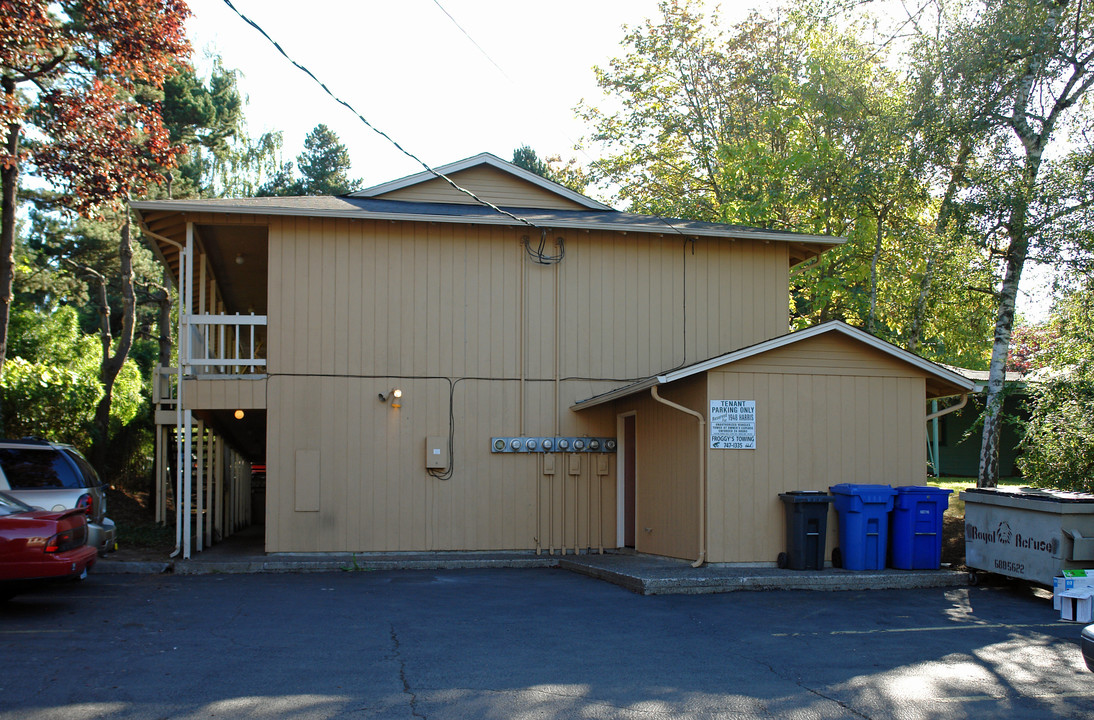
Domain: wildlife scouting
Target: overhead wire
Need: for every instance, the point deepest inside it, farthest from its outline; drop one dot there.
(473, 41)
(372, 127)
(539, 255)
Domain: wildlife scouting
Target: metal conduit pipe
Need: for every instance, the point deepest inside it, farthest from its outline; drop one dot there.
(702, 473)
(558, 418)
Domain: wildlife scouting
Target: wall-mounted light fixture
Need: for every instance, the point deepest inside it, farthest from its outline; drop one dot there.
(238, 414)
(395, 395)
(240, 259)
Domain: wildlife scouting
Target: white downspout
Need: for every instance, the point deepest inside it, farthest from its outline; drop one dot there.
(952, 408)
(934, 416)
(702, 473)
(182, 287)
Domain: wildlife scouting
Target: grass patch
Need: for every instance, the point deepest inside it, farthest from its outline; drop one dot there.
(953, 520)
(146, 536)
(957, 484)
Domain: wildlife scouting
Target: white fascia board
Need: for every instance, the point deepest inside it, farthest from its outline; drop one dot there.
(625, 391)
(773, 344)
(834, 326)
(481, 159)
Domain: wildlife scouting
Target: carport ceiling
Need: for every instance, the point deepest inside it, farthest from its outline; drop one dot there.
(247, 436)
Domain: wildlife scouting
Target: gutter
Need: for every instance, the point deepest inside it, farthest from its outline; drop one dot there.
(702, 473)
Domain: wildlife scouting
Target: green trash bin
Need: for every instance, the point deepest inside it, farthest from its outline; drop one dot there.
(806, 529)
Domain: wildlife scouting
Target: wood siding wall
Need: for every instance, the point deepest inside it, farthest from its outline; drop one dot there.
(488, 183)
(224, 394)
(828, 411)
(359, 307)
(667, 469)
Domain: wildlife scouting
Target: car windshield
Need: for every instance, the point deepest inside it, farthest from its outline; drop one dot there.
(37, 469)
(11, 506)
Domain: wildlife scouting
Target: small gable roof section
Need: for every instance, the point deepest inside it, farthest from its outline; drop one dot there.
(833, 345)
(489, 178)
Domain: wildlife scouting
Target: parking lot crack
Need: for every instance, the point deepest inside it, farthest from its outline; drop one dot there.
(800, 683)
(397, 655)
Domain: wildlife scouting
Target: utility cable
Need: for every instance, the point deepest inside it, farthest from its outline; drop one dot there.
(473, 42)
(372, 127)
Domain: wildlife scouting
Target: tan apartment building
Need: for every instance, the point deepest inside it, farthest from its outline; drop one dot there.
(564, 371)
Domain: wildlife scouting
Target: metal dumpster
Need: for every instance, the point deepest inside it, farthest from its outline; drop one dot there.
(1028, 533)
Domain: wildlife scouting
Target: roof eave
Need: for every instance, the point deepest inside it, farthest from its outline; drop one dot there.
(352, 213)
(950, 380)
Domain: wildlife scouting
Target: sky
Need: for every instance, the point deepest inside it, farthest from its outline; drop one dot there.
(511, 76)
(446, 79)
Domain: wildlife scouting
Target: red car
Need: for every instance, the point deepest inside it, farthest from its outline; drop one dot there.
(38, 546)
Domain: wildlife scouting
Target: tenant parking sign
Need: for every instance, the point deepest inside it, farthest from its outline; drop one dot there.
(732, 424)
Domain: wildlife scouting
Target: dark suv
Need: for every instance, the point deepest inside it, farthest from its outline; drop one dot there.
(55, 477)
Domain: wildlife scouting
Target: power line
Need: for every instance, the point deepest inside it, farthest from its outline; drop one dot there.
(473, 42)
(375, 129)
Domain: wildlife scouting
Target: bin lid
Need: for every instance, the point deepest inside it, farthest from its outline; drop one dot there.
(858, 489)
(922, 489)
(806, 496)
(1028, 493)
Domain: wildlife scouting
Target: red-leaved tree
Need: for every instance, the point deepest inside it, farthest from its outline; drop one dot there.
(84, 74)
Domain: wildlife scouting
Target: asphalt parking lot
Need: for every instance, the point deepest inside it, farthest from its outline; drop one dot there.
(534, 643)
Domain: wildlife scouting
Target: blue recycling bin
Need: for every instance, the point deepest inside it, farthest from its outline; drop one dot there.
(915, 527)
(863, 512)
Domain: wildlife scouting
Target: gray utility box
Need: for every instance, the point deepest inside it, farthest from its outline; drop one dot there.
(1028, 533)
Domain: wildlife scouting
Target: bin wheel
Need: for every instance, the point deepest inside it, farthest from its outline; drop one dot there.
(974, 577)
(783, 560)
(837, 558)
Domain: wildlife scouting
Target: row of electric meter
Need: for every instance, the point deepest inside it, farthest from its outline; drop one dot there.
(552, 444)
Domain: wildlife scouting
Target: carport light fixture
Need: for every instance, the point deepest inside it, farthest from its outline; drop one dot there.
(238, 414)
(394, 396)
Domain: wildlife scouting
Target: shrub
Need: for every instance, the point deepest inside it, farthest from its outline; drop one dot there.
(1059, 441)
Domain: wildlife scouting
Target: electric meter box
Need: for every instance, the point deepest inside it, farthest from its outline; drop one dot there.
(436, 453)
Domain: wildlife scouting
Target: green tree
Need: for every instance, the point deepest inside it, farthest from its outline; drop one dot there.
(568, 175)
(323, 167)
(207, 117)
(52, 386)
(1019, 71)
(1058, 447)
(97, 69)
(795, 123)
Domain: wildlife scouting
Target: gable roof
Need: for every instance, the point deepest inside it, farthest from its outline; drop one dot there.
(942, 373)
(387, 202)
(482, 159)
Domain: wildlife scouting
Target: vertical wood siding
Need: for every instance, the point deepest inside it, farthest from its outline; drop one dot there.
(667, 470)
(828, 411)
(488, 183)
(224, 394)
(359, 307)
